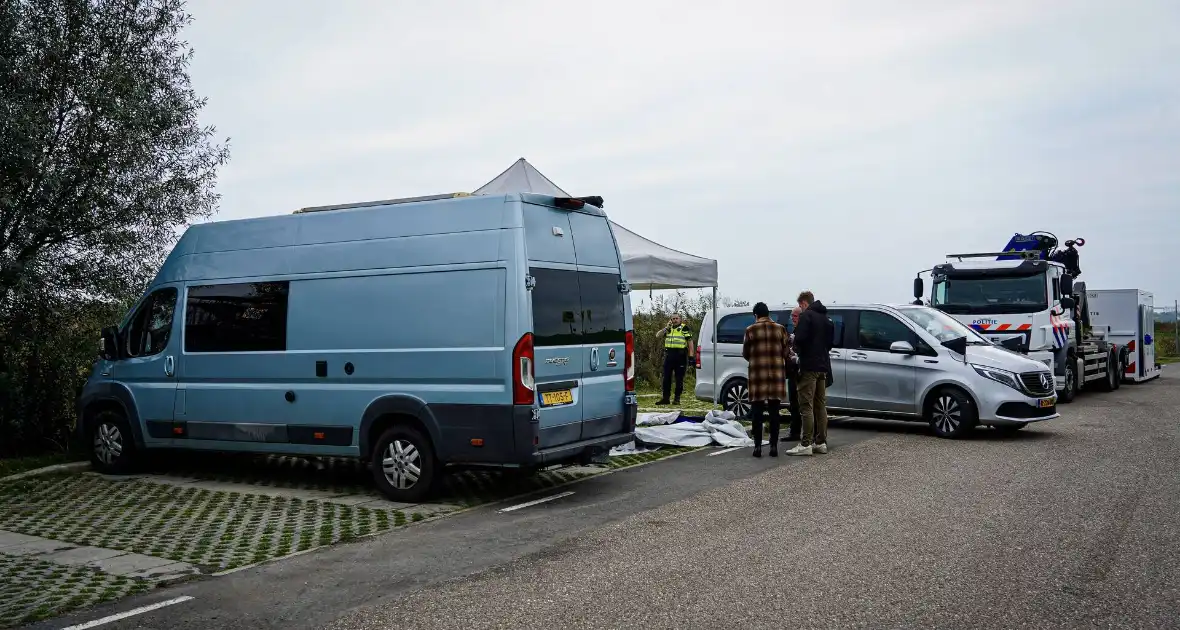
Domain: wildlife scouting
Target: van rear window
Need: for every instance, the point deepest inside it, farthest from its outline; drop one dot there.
(556, 308)
(576, 307)
(249, 317)
(602, 308)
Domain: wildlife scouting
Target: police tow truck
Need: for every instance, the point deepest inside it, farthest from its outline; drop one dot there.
(1026, 298)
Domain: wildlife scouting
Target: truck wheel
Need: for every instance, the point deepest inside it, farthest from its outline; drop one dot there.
(951, 413)
(1121, 366)
(1109, 384)
(1071, 380)
(403, 464)
(112, 448)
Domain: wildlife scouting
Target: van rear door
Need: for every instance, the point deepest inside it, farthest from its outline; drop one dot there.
(604, 326)
(557, 324)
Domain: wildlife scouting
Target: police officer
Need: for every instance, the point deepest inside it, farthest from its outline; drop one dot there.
(678, 351)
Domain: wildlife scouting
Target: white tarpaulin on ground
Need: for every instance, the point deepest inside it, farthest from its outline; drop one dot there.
(719, 428)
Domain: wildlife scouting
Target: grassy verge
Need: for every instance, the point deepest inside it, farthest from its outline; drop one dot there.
(21, 464)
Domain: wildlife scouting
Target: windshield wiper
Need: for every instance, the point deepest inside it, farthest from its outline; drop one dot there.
(953, 307)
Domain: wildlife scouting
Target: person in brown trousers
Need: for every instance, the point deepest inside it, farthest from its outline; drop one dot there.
(767, 347)
(813, 342)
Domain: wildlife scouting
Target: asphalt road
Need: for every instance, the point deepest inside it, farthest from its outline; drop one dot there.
(1074, 523)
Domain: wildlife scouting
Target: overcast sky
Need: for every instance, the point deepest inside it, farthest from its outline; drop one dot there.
(836, 146)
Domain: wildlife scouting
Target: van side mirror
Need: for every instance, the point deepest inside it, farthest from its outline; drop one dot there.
(919, 288)
(1066, 285)
(1067, 303)
(1015, 344)
(957, 345)
(109, 346)
(901, 347)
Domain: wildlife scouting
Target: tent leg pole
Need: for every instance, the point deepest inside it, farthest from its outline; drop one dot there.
(713, 348)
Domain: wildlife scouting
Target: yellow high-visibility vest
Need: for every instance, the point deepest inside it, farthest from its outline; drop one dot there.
(676, 339)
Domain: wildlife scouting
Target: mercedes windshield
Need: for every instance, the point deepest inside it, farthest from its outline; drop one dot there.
(990, 294)
(942, 326)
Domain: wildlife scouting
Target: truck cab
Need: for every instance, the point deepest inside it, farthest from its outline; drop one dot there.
(1013, 303)
(1025, 299)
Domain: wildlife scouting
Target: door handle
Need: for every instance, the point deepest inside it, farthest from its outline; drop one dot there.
(833, 354)
(593, 359)
(169, 366)
(858, 356)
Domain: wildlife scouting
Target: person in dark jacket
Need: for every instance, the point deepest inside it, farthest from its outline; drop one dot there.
(813, 341)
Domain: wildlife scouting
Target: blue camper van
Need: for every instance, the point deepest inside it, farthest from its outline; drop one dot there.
(414, 334)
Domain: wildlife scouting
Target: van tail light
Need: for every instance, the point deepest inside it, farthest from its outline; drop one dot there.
(698, 356)
(524, 382)
(629, 362)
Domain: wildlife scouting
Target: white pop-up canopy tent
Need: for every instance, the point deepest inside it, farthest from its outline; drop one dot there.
(648, 264)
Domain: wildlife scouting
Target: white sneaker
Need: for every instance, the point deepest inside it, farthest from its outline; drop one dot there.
(819, 449)
(800, 450)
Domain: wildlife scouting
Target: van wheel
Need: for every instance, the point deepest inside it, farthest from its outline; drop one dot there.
(1071, 380)
(403, 464)
(951, 413)
(735, 397)
(112, 447)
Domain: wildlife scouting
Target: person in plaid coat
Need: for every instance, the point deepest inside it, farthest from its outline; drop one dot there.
(767, 347)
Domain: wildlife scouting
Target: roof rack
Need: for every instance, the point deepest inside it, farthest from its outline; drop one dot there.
(383, 202)
(1027, 255)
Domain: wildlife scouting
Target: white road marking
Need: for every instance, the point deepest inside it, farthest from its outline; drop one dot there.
(130, 613)
(726, 450)
(537, 502)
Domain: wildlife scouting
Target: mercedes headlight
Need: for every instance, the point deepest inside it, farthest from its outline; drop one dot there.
(999, 376)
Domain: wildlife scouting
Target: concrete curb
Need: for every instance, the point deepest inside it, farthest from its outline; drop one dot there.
(67, 467)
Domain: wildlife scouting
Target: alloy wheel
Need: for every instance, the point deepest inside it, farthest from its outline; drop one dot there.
(402, 464)
(947, 414)
(108, 443)
(737, 400)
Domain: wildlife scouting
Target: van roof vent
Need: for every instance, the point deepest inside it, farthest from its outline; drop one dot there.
(383, 202)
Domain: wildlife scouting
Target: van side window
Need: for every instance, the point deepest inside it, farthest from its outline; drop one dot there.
(151, 328)
(879, 330)
(784, 318)
(732, 328)
(837, 318)
(248, 317)
(602, 308)
(556, 307)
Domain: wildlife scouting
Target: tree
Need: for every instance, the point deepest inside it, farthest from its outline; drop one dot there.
(102, 159)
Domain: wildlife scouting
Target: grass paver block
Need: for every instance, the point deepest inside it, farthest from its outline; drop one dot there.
(32, 590)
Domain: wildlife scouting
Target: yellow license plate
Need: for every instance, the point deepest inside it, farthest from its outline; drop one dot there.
(1047, 402)
(560, 397)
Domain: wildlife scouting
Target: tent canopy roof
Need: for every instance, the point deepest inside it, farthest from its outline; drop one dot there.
(649, 265)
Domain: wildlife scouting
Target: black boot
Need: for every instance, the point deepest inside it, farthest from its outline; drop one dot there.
(758, 438)
(661, 402)
(676, 401)
(774, 427)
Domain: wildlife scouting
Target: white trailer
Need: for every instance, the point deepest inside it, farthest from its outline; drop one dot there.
(1127, 316)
